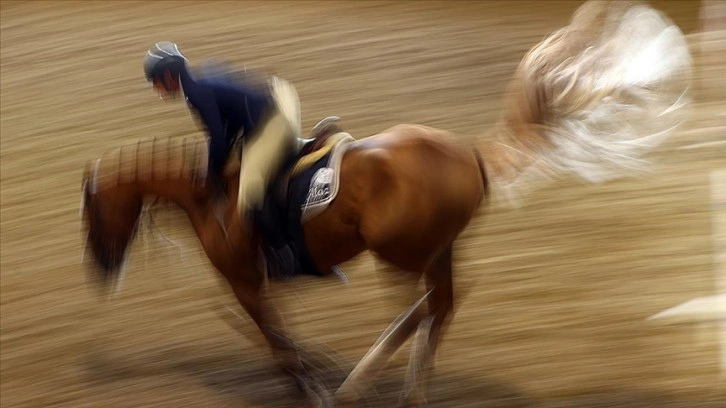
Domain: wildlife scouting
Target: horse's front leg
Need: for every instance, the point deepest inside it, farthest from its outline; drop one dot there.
(285, 351)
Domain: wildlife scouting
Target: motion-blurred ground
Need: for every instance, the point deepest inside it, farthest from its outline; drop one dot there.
(557, 292)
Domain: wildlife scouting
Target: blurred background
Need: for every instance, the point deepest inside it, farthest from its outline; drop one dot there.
(557, 292)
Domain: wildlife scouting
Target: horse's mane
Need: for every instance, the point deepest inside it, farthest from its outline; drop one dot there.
(147, 160)
(177, 158)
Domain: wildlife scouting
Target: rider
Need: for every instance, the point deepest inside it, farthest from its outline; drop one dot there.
(230, 107)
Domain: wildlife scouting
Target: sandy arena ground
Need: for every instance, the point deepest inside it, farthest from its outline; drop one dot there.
(557, 292)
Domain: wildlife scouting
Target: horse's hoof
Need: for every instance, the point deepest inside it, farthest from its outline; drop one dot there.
(412, 401)
(315, 392)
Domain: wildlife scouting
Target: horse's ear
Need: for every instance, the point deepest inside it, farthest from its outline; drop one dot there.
(84, 189)
(86, 175)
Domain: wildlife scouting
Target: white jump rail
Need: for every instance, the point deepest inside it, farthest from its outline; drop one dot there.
(708, 309)
(698, 310)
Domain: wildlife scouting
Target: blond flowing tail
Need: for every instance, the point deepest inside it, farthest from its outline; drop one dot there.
(591, 99)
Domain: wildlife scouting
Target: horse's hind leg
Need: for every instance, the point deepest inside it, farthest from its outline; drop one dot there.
(439, 280)
(400, 287)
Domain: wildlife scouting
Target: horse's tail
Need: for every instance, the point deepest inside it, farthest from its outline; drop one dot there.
(591, 99)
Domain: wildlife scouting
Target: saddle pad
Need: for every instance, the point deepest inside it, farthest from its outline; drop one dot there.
(317, 186)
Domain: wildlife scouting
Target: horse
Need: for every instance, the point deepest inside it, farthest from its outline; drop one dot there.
(590, 100)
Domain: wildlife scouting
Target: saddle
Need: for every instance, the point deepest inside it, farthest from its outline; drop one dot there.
(317, 146)
(279, 221)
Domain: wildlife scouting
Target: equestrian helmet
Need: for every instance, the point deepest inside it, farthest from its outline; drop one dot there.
(163, 56)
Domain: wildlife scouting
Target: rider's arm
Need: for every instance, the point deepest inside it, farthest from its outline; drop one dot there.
(209, 112)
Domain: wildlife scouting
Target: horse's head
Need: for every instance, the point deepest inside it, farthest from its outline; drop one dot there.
(110, 217)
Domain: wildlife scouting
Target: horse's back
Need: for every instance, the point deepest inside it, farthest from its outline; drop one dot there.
(428, 161)
(417, 185)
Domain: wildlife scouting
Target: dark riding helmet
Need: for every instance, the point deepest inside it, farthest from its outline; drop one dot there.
(163, 56)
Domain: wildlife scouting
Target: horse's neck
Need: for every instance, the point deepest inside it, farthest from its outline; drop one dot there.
(181, 191)
(167, 168)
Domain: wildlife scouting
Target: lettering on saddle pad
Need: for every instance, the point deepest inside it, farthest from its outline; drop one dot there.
(320, 189)
(324, 181)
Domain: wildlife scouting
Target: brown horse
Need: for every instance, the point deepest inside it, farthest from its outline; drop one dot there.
(590, 100)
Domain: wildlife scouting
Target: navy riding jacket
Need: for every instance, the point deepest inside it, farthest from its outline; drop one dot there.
(227, 107)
